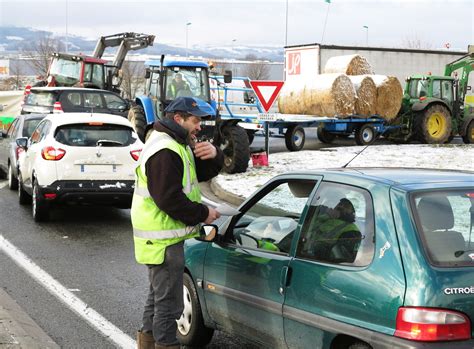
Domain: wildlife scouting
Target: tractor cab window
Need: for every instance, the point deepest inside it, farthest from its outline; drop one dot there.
(65, 71)
(437, 88)
(94, 75)
(447, 90)
(187, 82)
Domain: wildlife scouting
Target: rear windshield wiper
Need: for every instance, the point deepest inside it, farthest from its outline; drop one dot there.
(108, 143)
(459, 253)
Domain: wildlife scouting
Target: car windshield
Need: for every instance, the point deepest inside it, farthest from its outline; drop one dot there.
(445, 223)
(92, 135)
(29, 126)
(187, 82)
(43, 98)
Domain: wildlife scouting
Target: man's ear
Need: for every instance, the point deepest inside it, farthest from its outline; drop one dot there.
(178, 119)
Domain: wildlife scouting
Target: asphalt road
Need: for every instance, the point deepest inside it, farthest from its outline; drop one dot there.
(90, 252)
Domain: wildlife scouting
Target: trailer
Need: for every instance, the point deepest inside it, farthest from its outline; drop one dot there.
(249, 112)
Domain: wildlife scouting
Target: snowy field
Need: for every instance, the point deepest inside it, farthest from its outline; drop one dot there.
(449, 156)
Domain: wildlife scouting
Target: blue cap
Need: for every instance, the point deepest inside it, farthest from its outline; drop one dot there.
(190, 105)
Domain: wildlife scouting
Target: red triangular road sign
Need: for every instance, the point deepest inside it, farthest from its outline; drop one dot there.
(266, 91)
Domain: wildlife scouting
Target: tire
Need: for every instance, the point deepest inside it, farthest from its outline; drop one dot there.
(12, 181)
(433, 125)
(468, 137)
(295, 138)
(136, 116)
(359, 345)
(365, 135)
(324, 136)
(251, 136)
(236, 149)
(23, 197)
(191, 328)
(39, 207)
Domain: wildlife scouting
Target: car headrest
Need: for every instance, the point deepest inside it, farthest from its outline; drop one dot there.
(436, 213)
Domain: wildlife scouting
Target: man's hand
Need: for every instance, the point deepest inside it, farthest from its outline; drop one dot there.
(205, 151)
(212, 216)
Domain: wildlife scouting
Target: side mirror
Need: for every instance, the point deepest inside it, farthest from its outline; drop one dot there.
(147, 73)
(22, 142)
(228, 76)
(3, 134)
(208, 232)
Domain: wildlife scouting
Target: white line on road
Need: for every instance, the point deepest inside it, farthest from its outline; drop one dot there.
(96, 320)
(3, 184)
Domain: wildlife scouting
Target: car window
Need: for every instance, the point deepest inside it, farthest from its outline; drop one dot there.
(72, 98)
(114, 102)
(36, 135)
(445, 223)
(339, 226)
(29, 126)
(93, 100)
(92, 135)
(12, 130)
(43, 98)
(271, 222)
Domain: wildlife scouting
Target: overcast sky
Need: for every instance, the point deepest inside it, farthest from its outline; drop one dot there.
(256, 22)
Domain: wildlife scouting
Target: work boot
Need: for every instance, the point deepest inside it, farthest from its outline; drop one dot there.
(145, 340)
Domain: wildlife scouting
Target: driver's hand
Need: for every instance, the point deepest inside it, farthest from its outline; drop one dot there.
(205, 150)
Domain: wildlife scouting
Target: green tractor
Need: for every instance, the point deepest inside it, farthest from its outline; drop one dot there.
(436, 108)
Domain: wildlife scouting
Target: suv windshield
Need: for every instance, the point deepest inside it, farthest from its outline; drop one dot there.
(187, 82)
(92, 135)
(445, 223)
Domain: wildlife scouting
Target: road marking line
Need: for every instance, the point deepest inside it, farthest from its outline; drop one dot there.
(3, 185)
(97, 321)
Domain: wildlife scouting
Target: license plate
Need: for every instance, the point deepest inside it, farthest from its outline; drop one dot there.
(98, 168)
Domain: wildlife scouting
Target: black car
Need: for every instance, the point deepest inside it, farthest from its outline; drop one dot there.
(73, 100)
(22, 126)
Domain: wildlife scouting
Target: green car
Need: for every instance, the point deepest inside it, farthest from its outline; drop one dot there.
(344, 258)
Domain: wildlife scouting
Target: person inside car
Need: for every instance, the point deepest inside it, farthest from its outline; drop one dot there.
(179, 87)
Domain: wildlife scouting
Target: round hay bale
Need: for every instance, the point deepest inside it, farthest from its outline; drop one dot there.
(328, 95)
(349, 65)
(389, 96)
(366, 92)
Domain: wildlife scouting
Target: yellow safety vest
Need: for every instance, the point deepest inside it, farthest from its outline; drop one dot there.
(153, 229)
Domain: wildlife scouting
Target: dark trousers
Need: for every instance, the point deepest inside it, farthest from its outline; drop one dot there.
(165, 298)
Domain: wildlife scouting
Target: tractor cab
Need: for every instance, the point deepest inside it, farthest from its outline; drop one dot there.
(77, 70)
(424, 89)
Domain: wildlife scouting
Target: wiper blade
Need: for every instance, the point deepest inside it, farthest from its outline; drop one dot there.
(108, 143)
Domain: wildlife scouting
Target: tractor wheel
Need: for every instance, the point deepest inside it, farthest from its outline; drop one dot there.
(324, 136)
(468, 137)
(433, 125)
(294, 138)
(251, 136)
(236, 150)
(136, 116)
(365, 135)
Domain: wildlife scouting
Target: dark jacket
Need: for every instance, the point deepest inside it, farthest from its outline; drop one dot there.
(165, 173)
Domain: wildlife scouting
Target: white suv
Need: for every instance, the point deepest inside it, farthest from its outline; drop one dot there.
(82, 158)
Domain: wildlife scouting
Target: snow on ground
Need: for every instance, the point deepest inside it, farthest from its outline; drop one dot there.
(448, 156)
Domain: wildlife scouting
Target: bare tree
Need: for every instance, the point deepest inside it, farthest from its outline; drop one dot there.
(219, 68)
(16, 73)
(39, 52)
(133, 79)
(414, 42)
(257, 70)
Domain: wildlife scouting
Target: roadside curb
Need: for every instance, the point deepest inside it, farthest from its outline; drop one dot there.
(18, 330)
(231, 198)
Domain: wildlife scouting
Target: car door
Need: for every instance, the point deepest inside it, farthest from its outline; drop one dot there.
(336, 284)
(33, 152)
(7, 137)
(244, 275)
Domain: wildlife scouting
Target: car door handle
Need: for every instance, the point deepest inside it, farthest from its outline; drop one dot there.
(284, 279)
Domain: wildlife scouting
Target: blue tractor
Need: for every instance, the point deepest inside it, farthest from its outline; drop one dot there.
(168, 79)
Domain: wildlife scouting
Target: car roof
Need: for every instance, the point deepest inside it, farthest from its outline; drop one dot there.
(406, 179)
(78, 118)
(63, 88)
(33, 116)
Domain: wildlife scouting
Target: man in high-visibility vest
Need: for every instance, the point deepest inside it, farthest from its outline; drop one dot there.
(167, 209)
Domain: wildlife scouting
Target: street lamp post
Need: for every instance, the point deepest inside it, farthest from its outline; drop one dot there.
(187, 26)
(366, 35)
(233, 58)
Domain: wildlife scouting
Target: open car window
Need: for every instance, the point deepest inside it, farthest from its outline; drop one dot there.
(271, 222)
